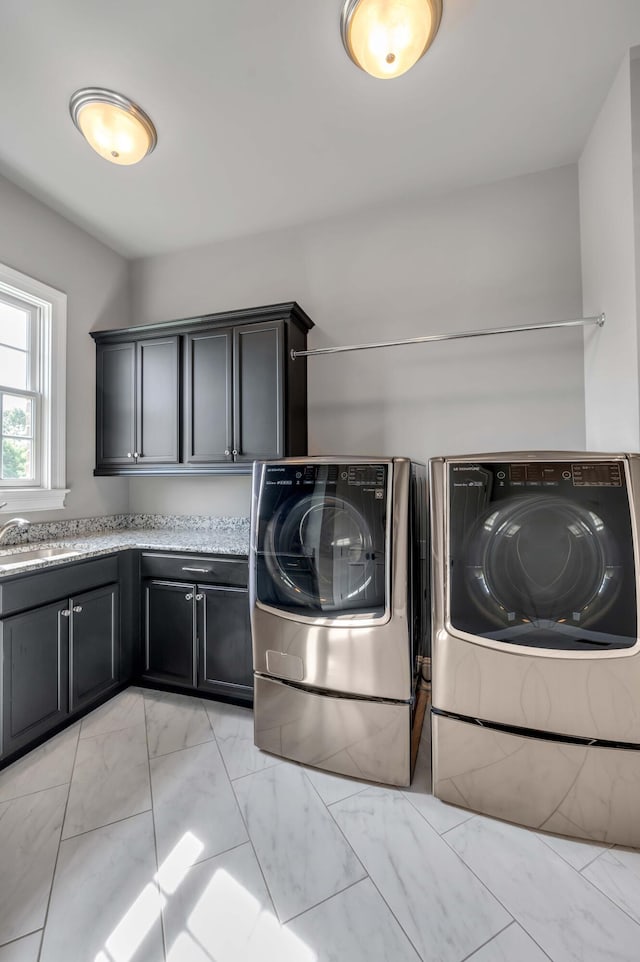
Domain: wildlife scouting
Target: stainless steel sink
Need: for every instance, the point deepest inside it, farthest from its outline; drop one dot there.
(10, 561)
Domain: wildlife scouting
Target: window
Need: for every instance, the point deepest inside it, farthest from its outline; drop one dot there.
(32, 393)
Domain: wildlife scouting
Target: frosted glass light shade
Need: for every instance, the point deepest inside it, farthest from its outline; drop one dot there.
(113, 125)
(387, 37)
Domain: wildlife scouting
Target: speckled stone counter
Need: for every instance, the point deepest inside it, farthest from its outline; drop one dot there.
(88, 538)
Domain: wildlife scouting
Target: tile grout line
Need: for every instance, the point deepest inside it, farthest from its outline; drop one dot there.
(499, 901)
(552, 849)
(55, 867)
(489, 941)
(36, 791)
(153, 823)
(244, 822)
(422, 815)
(328, 898)
(96, 828)
(609, 898)
(26, 935)
(398, 922)
(563, 860)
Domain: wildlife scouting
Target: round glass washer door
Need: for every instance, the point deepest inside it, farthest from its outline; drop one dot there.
(319, 552)
(541, 560)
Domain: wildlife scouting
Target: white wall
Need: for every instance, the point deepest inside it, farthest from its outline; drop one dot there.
(612, 404)
(501, 254)
(39, 242)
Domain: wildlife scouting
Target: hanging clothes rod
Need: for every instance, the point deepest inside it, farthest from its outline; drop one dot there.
(598, 319)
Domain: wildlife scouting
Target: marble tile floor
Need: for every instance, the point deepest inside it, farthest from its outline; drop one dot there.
(154, 831)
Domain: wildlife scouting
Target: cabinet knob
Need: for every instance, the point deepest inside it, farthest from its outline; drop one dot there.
(234, 452)
(65, 613)
(136, 454)
(77, 609)
(227, 452)
(199, 596)
(189, 596)
(129, 454)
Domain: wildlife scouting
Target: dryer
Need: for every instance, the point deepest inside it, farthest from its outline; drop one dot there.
(536, 655)
(338, 588)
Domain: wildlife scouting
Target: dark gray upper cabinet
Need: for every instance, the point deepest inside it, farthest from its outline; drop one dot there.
(158, 401)
(259, 397)
(137, 404)
(208, 396)
(116, 403)
(236, 397)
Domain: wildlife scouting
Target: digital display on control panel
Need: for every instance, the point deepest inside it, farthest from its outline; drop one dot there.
(366, 474)
(590, 474)
(537, 472)
(599, 474)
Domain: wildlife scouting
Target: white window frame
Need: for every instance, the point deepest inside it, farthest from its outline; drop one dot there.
(50, 315)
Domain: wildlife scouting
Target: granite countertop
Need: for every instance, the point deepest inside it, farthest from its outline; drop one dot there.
(230, 538)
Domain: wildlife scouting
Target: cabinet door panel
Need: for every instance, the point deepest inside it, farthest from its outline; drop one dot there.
(158, 401)
(170, 632)
(116, 395)
(258, 391)
(208, 397)
(94, 645)
(35, 674)
(224, 637)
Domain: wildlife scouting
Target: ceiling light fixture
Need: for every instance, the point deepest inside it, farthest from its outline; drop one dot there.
(386, 37)
(113, 125)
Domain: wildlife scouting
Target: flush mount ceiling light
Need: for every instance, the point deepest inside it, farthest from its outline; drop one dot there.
(113, 125)
(386, 37)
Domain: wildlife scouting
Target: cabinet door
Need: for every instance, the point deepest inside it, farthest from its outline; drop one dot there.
(258, 415)
(158, 401)
(170, 632)
(208, 397)
(93, 645)
(35, 693)
(115, 403)
(224, 640)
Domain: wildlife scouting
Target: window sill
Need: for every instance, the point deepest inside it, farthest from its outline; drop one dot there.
(32, 499)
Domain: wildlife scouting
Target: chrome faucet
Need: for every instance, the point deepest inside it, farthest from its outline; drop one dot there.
(12, 523)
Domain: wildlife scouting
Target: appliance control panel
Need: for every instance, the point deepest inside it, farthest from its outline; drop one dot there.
(578, 474)
(362, 475)
(546, 474)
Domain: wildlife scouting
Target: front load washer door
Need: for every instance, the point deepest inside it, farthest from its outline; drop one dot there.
(321, 540)
(542, 554)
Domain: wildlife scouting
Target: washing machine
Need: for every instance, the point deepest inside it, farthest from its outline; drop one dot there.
(338, 597)
(536, 656)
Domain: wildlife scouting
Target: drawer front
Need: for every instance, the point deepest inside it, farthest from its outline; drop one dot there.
(41, 587)
(200, 569)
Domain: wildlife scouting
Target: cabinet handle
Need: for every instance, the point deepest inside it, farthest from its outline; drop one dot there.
(199, 596)
(189, 596)
(77, 609)
(200, 571)
(65, 613)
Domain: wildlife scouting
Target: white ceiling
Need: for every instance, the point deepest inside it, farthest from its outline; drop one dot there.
(263, 122)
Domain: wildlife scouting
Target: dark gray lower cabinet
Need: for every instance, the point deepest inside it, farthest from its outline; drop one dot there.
(57, 659)
(198, 636)
(224, 640)
(35, 683)
(93, 645)
(169, 632)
